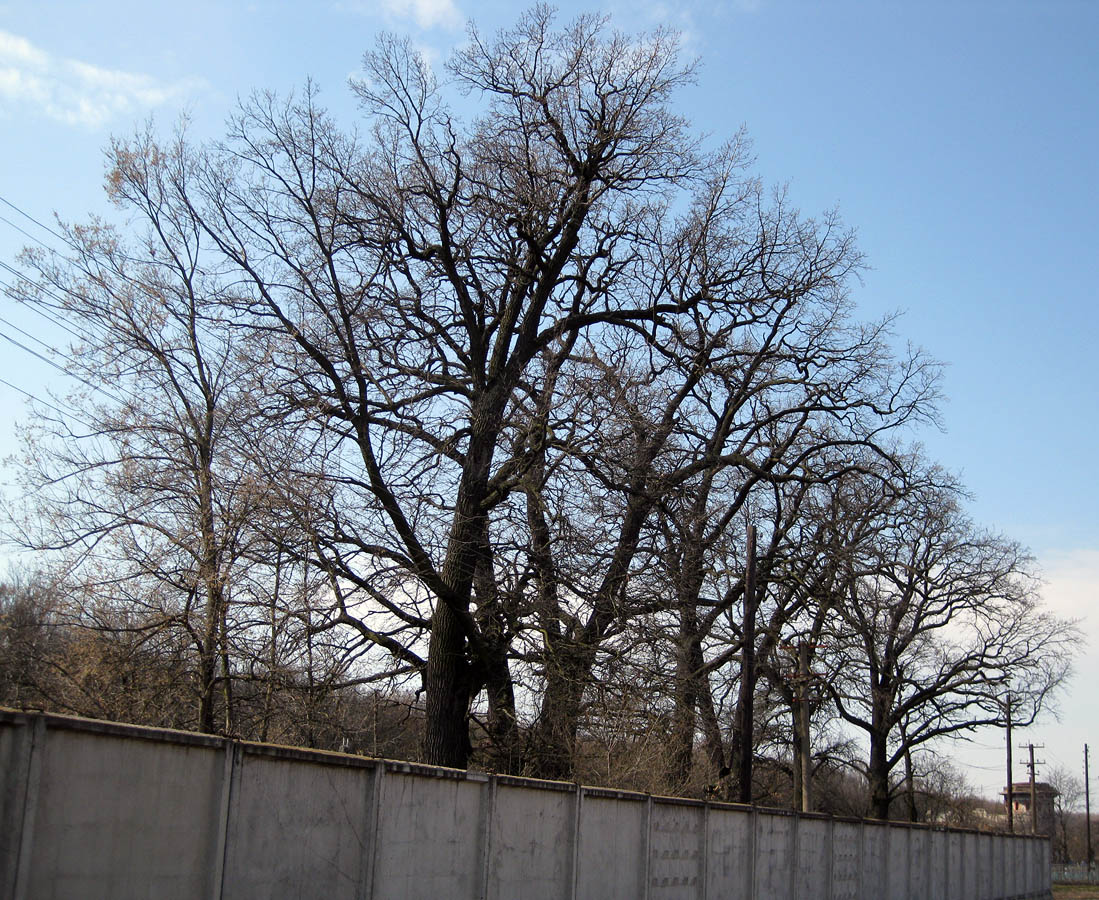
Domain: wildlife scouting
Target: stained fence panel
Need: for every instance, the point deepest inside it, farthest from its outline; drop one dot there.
(315, 829)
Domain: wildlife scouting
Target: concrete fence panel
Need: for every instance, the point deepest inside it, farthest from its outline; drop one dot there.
(534, 847)
(428, 839)
(613, 868)
(775, 861)
(874, 879)
(320, 811)
(678, 841)
(814, 840)
(955, 862)
(119, 818)
(100, 810)
(730, 857)
(920, 863)
(896, 861)
(847, 849)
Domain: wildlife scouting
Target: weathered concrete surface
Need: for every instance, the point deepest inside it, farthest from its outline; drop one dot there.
(92, 809)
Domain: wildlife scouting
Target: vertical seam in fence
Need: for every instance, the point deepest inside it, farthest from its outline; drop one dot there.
(860, 860)
(370, 832)
(946, 864)
(488, 816)
(705, 850)
(647, 868)
(887, 855)
(996, 864)
(795, 856)
(960, 872)
(221, 849)
(576, 841)
(908, 842)
(36, 739)
(830, 859)
(377, 777)
(753, 844)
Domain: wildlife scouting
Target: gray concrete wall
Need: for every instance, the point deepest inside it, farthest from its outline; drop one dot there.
(99, 810)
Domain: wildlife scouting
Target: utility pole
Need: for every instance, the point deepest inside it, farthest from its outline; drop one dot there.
(1087, 808)
(1010, 795)
(747, 672)
(1033, 795)
(1033, 786)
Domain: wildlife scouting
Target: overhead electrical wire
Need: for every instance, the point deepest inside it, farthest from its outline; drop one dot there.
(37, 340)
(46, 310)
(59, 367)
(56, 409)
(41, 225)
(37, 307)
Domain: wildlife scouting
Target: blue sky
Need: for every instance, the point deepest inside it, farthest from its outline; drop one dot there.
(960, 138)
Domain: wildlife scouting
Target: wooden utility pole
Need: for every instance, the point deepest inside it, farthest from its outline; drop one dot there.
(1087, 807)
(747, 673)
(1033, 787)
(1010, 795)
(1033, 795)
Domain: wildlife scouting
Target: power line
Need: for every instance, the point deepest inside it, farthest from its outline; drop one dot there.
(37, 340)
(36, 306)
(27, 215)
(46, 403)
(60, 368)
(24, 232)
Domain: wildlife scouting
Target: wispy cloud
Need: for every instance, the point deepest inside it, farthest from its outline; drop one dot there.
(1070, 578)
(425, 13)
(75, 92)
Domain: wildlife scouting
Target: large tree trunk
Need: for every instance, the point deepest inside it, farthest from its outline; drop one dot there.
(910, 788)
(681, 751)
(744, 730)
(688, 666)
(877, 774)
(506, 754)
(449, 680)
(569, 659)
(447, 692)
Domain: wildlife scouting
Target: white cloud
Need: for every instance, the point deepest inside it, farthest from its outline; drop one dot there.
(425, 13)
(75, 92)
(1070, 578)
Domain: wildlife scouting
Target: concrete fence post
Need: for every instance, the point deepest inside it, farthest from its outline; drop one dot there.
(753, 843)
(488, 815)
(578, 813)
(860, 859)
(35, 745)
(908, 885)
(945, 862)
(372, 828)
(830, 858)
(795, 854)
(230, 773)
(648, 862)
(957, 880)
(705, 851)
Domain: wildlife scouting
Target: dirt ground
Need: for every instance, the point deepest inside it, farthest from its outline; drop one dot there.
(1075, 891)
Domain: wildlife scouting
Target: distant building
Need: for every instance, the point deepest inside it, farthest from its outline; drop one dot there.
(1020, 805)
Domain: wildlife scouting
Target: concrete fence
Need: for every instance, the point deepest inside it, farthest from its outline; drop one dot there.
(94, 809)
